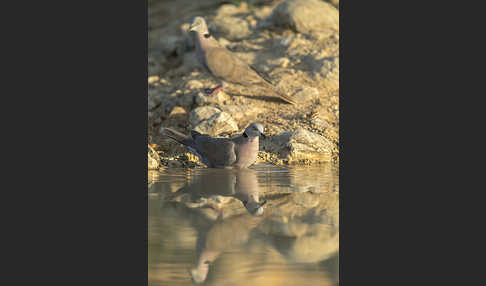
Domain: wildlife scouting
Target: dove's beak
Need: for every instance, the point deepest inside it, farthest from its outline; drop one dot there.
(263, 135)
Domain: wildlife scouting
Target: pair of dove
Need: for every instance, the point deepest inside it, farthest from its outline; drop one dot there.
(241, 151)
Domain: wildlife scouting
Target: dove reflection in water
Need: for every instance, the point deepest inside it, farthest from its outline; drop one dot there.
(241, 184)
(223, 235)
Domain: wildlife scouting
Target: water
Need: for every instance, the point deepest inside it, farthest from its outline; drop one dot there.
(262, 226)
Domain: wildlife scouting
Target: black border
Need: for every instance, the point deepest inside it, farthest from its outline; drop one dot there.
(79, 86)
(77, 80)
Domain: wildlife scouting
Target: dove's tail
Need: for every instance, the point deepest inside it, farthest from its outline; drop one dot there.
(283, 96)
(278, 93)
(178, 137)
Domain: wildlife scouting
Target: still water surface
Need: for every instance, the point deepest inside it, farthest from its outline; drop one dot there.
(262, 226)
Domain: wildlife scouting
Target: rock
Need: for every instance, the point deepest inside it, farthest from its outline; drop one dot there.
(220, 122)
(152, 104)
(177, 111)
(261, 2)
(334, 2)
(172, 45)
(219, 98)
(236, 111)
(187, 36)
(324, 70)
(194, 84)
(300, 144)
(280, 62)
(232, 28)
(319, 123)
(304, 16)
(201, 113)
(330, 71)
(306, 94)
(154, 67)
(153, 79)
(178, 116)
(239, 112)
(160, 103)
(157, 98)
(189, 63)
(223, 42)
(227, 10)
(229, 24)
(185, 99)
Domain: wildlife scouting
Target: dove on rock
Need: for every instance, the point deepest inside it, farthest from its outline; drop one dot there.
(226, 67)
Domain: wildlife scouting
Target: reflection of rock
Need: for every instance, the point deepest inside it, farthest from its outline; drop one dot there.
(257, 264)
(306, 227)
(305, 180)
(314, 248)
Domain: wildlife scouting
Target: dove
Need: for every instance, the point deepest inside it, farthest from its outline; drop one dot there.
(226, 67)
(238, 152)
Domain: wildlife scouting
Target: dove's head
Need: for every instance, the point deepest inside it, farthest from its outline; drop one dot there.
(199, 25)
(198, 275)
(200, 272)
(254, 130)
(255, 208)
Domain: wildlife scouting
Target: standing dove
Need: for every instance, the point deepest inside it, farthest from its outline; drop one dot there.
(238, 152)
(226, 67)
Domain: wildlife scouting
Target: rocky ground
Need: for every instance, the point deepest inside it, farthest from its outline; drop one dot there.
(294, 42)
